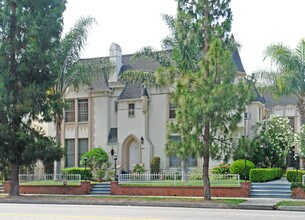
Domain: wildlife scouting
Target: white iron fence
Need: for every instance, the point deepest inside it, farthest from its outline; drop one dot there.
(303, 180)
(64, 178)
(176, 179)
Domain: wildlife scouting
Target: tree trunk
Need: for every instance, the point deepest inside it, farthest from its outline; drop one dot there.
(206, 151)
(301, 106)
(14, 181)
(206, 160)
(58, 122)
(184, 166)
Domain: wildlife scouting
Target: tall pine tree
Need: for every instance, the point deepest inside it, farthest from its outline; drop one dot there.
(29, 33)
(209, 104)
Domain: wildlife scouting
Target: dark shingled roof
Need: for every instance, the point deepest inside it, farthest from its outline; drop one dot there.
(131, 91)
(102, 82)
(134, 91)
(272, 101)
(258, 97)
(148, 65)
(237, 61)
(113, 135)
(144, 64)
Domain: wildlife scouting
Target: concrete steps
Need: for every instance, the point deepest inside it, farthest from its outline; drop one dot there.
(272, 189)
(101, 189)
(1, 189)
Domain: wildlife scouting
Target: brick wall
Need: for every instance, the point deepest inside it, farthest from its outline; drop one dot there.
(298, 193)
(242, 191)
(83, 189)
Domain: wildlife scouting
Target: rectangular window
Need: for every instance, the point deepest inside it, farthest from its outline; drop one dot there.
(83, 110)
(172, 110)
(175, 161)
(116, 107)
(131, 107)
(70, 156)
(70, 111)
(82, 148)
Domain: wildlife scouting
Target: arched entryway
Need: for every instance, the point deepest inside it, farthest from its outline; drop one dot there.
(131, 152)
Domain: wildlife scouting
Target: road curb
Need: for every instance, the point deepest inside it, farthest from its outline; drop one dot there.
(291, 208)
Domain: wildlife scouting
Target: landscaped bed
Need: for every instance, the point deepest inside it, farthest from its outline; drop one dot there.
(232, 183)
(51, 183)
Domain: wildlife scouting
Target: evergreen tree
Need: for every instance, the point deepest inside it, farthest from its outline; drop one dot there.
(201, 68)
(29, 33)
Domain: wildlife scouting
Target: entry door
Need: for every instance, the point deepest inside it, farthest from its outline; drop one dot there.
(133, 154)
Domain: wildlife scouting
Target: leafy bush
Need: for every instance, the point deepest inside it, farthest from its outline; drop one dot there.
(85, 174)
(196, 175)
(97, 159)
(222, 168)
(265, 174)
(138, 168)
(238, 167)
(291, 175)
(155, 165)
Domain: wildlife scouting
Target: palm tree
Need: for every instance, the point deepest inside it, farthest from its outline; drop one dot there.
(71, 72)
(289, 75)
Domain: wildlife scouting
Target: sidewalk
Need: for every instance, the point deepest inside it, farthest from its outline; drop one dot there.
(251, 203)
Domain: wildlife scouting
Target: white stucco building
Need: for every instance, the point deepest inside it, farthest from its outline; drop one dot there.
(132, 120)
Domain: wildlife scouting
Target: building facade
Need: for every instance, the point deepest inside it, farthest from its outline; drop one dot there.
(131, 120)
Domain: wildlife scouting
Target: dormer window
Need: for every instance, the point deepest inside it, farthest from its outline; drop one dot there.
(172, 111)
(131, 108)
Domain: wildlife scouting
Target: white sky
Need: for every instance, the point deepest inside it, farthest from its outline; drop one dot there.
(133, 24)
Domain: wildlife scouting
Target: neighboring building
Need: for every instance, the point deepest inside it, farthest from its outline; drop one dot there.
(132, 120)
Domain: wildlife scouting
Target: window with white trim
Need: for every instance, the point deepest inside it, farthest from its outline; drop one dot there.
(172, 110)
(131, 110)
(70, 111)
(82, 147)
(175, 161)
(83, 110)
(70, 155)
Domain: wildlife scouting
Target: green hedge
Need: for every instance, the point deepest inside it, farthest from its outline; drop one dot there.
(291, 175)
(85, 174)
(265, 174)
(238, 167)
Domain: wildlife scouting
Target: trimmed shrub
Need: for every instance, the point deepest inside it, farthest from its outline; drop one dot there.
(291, 175)
(265, 174)
(238, 167)
(155, 165)
(85, 174)
(222, 168)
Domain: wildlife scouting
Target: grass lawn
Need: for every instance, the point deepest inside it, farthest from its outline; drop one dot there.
(291, 203)
(151, 199)
(232, 183)
(50, 183)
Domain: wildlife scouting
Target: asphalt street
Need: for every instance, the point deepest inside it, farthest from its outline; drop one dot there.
(64, 212)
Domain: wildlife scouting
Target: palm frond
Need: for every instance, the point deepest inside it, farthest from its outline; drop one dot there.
(138, 77)
(72, 45)
(158, 56)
